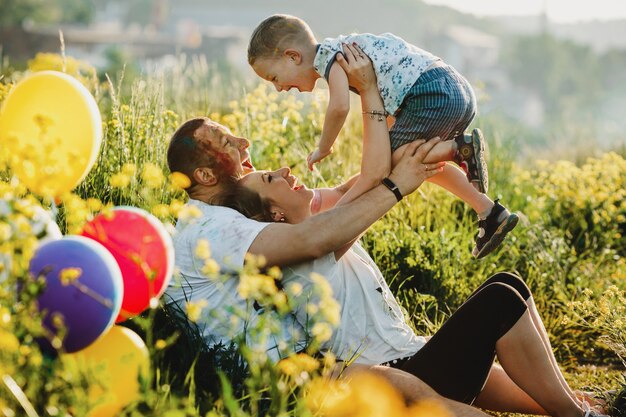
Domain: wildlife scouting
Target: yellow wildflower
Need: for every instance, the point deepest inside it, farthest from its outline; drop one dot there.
(363, 395)
(152, 175)
(180, 180)
(160, 344)
(203, 249)
(428, 408)
(210, 268)
(256, 286)
(160, 210)
(69, 275)
(129, 169)
(295, 289)
(8, 342)
(119, 180)
(185, 212)
(322, 331)
(194, 309)
(5, 231)
(298, 363)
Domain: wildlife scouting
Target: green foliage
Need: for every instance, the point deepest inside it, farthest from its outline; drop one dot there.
(564, 74)
(15, 12)
(571, 238)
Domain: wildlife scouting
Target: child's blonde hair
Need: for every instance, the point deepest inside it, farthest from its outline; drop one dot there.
(277, 33)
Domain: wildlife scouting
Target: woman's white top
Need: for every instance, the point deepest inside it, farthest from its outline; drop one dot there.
(372, 327)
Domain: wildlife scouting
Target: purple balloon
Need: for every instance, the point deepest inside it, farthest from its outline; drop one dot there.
(89, 300)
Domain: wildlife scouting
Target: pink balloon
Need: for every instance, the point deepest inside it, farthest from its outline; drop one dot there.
(143, 250)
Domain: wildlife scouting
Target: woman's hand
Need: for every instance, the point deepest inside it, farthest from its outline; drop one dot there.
(358, 68)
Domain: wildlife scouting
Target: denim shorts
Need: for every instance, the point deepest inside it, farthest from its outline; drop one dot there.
(440, 103)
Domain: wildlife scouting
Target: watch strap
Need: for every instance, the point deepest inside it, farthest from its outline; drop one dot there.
(393, 188)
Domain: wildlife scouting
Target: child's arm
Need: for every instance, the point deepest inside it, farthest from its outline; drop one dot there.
(336, 113)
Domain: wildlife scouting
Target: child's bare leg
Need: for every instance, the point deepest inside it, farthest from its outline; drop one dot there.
(443, 151)
(454, 180)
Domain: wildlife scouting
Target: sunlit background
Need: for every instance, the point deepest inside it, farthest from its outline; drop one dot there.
(561, 11)
(555, 69)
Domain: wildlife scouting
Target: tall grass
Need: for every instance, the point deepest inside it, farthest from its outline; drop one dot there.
(569, 247)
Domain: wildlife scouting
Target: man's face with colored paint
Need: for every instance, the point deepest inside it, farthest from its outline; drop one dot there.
(231, 152)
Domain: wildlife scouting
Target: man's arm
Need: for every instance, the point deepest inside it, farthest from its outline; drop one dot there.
(284, 244)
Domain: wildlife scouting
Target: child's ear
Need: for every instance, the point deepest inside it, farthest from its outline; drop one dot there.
(294, 55)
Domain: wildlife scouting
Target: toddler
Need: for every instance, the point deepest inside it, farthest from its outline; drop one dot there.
(426, 97)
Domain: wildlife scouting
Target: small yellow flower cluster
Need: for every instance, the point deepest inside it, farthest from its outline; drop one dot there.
(81, 70)
(299, 367)
(179, 181)
(68, 275)
(77, 212)
(590, 198)
(210, 267)
(257, 286)
(194, 309)
(152, 175)
(365, 395)
(605, 314)
(297, 364)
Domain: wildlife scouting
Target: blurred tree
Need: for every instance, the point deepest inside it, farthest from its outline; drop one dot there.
(119, 63)
(614, 70)
(566, 75)
(15, 12)
(76, 11)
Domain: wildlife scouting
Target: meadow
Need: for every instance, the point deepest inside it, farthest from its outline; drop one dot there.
(569, 247)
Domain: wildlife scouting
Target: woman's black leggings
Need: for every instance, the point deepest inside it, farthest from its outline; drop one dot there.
(456, 361)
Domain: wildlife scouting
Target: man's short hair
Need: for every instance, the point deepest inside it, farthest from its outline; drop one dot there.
(275, 34)
(188, 151)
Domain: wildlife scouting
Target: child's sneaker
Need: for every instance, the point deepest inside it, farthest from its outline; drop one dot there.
(493, 229)
(471, 154)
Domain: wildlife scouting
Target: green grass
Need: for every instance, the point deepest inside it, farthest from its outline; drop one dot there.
(570, 239)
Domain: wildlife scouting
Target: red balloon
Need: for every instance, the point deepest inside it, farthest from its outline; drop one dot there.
(143, 250)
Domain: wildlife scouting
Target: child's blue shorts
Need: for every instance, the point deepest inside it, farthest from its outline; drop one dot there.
(440, 103)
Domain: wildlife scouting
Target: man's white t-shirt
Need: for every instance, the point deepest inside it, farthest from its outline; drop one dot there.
(230, 235)
(372, 327)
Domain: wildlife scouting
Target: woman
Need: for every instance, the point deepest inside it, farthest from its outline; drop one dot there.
(499, 320)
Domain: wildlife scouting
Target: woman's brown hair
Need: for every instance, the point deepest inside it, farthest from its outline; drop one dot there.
(246, 201)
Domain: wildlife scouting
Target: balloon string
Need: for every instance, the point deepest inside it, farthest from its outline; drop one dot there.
(90, 293)
(19, 395)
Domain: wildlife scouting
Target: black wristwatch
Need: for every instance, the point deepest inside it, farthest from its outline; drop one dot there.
(393, 187)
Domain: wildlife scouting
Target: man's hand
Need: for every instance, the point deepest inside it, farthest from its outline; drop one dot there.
(316, 156)
(358, 67)
(410, 171)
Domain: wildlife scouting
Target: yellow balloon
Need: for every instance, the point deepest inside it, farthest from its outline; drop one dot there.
(114, 361)
(51, 125)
